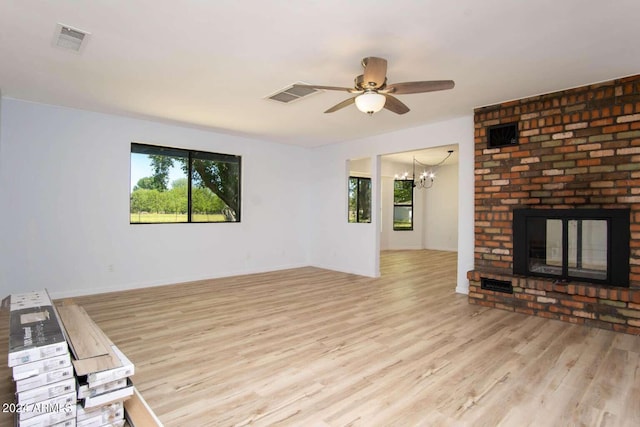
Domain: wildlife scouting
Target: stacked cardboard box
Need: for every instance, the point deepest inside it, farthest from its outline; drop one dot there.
(102, 371)
(87, 387)
(40, 361)
(105, 415)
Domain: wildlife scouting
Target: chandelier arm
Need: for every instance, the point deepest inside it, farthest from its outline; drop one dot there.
(426, 180)
(449, 153)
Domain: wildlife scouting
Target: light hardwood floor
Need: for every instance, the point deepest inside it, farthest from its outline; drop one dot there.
(310, 347)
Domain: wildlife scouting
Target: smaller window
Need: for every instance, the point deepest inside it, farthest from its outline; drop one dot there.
(403, 204)
(359, 199)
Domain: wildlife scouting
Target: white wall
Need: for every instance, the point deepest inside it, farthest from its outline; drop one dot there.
(64, 186)
(360, 167)
(354, 248)
(335, 243)
(440, 231)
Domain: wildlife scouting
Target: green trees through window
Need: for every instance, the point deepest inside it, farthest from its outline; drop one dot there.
(171, 185)
(403, 204)
(359, 199)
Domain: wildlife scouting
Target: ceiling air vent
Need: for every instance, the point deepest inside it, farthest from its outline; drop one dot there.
(70, 38)
(291, 93)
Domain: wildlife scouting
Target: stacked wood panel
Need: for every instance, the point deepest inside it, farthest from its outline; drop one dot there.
(40, 362)
(102, 371)
(66, 370)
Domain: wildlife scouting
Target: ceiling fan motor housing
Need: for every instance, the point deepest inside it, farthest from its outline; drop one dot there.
(360, 84)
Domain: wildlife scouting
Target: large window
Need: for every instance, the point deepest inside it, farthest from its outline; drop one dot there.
(359, 199)
(403, 204)
(171, 185)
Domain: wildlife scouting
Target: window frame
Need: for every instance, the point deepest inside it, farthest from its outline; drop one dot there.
(357, 199)
(402, 205)
(190, 155)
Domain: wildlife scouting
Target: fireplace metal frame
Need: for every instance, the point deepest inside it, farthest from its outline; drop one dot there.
(618, 233)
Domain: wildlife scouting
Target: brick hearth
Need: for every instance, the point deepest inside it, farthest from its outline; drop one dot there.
(578, 148)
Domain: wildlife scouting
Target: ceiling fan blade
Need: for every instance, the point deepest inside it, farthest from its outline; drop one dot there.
(375, 72)
(395, 105)
(341, 105)
(419, 87)
(343, 89)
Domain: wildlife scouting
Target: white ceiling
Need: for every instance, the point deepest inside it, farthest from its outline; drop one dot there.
(211, 63)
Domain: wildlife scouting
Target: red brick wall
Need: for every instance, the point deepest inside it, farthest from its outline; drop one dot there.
(577, 148)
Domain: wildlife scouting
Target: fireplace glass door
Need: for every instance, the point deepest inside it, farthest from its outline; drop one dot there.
(587, 249)
(568, 247)
(590, 245)
(545, 246)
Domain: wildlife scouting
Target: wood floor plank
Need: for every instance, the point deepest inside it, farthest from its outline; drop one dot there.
(90, 346)
(311, 347)
(85, 339)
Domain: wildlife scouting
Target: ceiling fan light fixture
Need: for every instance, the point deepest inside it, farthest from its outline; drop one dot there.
(370, 102)
(372, 81)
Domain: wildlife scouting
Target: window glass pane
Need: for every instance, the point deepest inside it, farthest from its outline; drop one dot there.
(364, 200)
(403, 205)
(215, 188)
(359, 199)
(353, 199)
(402, 218)
(403, 192)
(158, 188)
(162, 190)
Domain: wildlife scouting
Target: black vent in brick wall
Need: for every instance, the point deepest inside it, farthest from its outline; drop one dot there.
(503, 135)
(496, 285)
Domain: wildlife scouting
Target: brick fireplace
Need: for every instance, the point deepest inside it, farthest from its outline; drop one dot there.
(570, 150)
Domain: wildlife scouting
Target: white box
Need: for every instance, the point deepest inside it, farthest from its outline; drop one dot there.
(85, 391)
(118, 423)
(37, 353)
(45, 392)
(112, 396)
(71, 422)
(58, 406)
(54, 419)
(34, 334)
(44, 379)
(29, 299)
(95, 379)
(40, 367)
(101, 419)
(107, 412)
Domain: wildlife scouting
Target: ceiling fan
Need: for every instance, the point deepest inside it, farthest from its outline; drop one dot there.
(374, 93)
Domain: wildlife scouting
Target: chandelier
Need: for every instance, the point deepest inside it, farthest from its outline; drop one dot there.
(426, 178)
